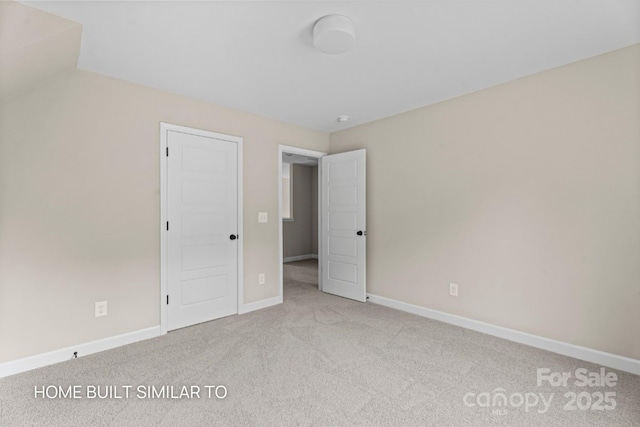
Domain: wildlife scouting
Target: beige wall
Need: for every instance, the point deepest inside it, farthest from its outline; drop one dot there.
(527, 195)
(79, 206)
(34, 45)
(297, 236)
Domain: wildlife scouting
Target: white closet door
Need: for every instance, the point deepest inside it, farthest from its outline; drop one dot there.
(202, 229)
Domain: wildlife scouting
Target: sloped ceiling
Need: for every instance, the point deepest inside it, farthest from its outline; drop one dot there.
(34, 45)
(259, 57)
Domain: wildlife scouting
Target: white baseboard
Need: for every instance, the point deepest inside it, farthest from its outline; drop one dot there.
(39, 360)
(583, 353)
(253, 306)
(299, 257)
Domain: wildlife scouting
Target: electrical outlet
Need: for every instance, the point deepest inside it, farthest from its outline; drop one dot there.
(263, 217)
(261, 279)
(453, 289)
(101, 308)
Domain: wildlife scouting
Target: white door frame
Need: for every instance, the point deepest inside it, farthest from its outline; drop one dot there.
(164, 128)
(303, 152)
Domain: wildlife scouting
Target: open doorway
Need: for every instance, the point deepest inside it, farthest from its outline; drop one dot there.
(299, 214)
(341, 219)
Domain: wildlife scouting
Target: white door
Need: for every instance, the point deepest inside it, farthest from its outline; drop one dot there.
(344, 225)
(202, 245)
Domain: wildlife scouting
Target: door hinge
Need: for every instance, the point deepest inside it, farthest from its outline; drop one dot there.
(167, 151)
(167, 299)
(167, 225)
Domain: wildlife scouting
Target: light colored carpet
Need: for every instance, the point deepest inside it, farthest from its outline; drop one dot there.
(315, 360)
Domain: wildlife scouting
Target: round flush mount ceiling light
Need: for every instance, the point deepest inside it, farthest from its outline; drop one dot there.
(342, 119)
(334, 34)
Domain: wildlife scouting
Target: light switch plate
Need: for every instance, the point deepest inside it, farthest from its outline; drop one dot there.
(263, 217)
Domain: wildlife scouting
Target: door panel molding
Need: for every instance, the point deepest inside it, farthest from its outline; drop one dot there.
(201, 161)
(343, 225)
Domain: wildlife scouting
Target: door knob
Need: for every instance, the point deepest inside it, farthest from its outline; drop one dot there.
(233, 237)
(360, 233)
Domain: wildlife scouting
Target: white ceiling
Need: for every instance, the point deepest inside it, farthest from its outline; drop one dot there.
(259, 56)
